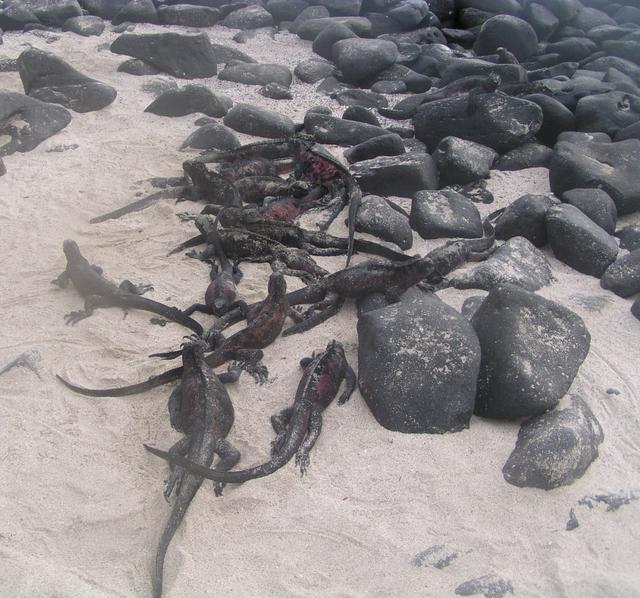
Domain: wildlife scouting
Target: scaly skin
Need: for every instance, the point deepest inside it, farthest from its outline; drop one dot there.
(264, 323)
(242, 245)
(315, 162)
(298, 427)
(220, 295)
(100, 292)
(391, 280)
(204, 412)
(315, 242)
(407, 108)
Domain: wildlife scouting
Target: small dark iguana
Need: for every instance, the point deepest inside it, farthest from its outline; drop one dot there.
(101, 292)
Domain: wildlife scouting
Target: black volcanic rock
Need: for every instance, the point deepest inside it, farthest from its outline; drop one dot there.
(508, 32)
(433, 355)
(608, 112)
(401, 175)
(188, 15)
(384, 145)
(531, 350)
(596, 204)
(256, 74)
(516, 262)
(525, 217)
(612, 167)
(555, 449)
(528, 155)
(183, 56)
(623, 276)
(460, 161)
(331, 34)
(377, 217)
(212, 136)
(86, 25)
(42, 120)
(51, 13)
(50, 79)
(330, 129)
(314, 70)
(190, 99)
(253, 120)
(495, 120)
(556, 117)
(137, 11)
(249, 17)
(445, 213)
(578, 241)
(358, 59)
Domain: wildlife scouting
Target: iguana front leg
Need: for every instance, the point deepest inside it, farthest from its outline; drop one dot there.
(63, 280)
(135, 289)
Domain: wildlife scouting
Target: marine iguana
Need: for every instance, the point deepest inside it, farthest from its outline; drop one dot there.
(407, 108)
(390, 279)
(204, 413)
(311, 160)
(264, 323)
(242, 245)
(101, 292)
(298, 426)
(220, 295)
(328, 294)
(291, 235)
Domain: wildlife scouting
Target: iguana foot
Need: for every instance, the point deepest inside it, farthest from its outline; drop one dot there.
(303, 461)
(75, 316)
(257, 370)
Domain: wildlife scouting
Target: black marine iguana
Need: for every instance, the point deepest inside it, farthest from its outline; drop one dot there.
(314, 242)
(407, 108)
(101, 292)
(204, 412)
(391, 279)
(328, 294)
(297, 427)
(264, 323)
(220, 295)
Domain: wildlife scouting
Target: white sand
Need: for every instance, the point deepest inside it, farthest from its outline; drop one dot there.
(81, 500)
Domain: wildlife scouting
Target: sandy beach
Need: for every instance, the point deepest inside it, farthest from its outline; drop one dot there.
(378, 514)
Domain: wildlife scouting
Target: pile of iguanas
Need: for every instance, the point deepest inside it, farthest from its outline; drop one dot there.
(265, 231)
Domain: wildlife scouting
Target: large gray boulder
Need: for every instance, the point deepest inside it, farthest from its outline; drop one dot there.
(256, 74)
(578, 241)
(516, 262)
(418, 364)
(254, 120)
(50, 79)
(609, 166)
(338, 131)
(183, 56)
(531, 351)
(52, 13)
(359, 59)
(492, 119)
(555, 449)
(27, 122)
(401, 176)
(190, 99)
